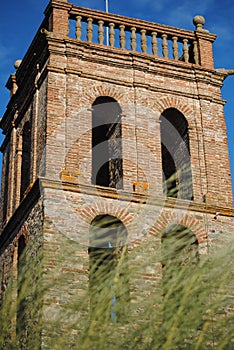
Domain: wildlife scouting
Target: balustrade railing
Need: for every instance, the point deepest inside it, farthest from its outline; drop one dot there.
(133, 35)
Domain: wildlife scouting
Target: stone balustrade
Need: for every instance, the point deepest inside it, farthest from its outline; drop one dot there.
(134, 35)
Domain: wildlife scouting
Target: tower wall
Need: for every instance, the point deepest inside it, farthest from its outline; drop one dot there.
(66, 75)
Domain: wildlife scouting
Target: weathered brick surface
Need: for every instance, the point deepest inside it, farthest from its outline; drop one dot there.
(31, 229)
(208, 143)
(58, 100)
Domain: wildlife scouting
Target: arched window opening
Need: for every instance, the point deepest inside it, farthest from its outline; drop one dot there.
(26, 158)
(180, 269)
(175, 151)
(107, 168)
(179, 256)
(108, 279)
(21, 301)
(179, 246)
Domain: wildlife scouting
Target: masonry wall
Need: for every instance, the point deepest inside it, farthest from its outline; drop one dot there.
(158, 86)
(35, 115)
(57, 99)
(69, 212)
(31, 230)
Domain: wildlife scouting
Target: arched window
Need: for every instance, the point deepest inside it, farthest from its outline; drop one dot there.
(109, 289)
(176, 165)
(180, 256)
(107, 169)
(179, 246)
(180, 269)
(26, 158)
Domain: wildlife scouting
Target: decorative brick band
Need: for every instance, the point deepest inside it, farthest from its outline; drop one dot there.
(169, 218)
(101, 90)
(172, 102)
(100, 207)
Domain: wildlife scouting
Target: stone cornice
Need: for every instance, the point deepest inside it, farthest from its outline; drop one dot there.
(122, 195)
(36, 191)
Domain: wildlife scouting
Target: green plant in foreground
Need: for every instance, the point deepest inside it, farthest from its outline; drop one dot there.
(189, 308)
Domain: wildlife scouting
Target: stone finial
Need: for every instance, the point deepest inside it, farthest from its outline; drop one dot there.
(17, 64)
(199, 22)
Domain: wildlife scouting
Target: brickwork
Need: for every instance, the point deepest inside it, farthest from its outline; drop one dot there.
(146, 134)
(31, 228)
(64, 81)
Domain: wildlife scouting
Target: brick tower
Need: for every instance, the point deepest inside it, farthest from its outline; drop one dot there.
(127, 128)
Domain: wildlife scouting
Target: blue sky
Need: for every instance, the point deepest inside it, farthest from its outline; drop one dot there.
(19, 21)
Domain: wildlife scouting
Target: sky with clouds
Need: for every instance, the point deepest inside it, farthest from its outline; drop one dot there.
(19, 21)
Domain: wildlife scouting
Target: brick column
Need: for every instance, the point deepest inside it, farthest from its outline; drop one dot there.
(205, 41)
(205, 50)
(18, 171)
(57, 13)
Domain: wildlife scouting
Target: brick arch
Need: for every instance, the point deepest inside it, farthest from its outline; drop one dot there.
(167, 219)
(105, 208)
(172, 102)
(102, 90)
(26, 118)
(23, 232)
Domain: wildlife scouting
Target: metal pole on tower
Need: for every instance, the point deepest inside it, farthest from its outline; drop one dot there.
(107, 6)
(107, 28)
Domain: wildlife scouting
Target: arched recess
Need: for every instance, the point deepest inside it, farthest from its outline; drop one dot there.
(108, 278)
(21, 298)
(175, 152)
(179, 246)
(179, 277)
(179, 257)
(26, 158)
(107, 163)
